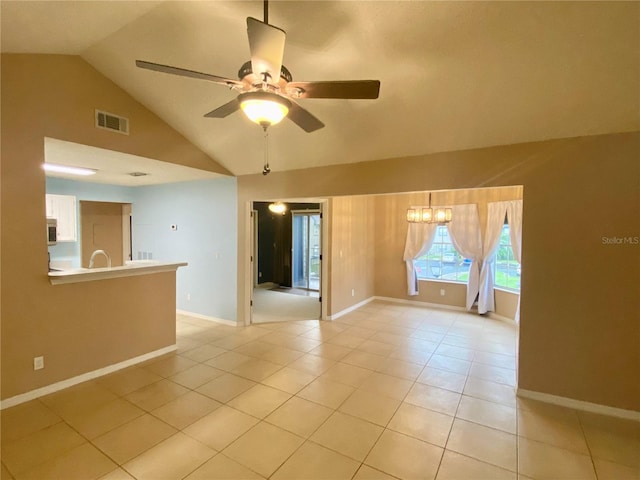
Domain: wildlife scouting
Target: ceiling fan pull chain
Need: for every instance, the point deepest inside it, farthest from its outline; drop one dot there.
(266, 169)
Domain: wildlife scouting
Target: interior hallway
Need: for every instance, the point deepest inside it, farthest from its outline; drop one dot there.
(278, 306)
(387, 391)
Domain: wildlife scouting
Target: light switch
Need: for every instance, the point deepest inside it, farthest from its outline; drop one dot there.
(38, 363)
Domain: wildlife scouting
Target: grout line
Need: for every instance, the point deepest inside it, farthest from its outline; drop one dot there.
(584, 435)
(395, 321)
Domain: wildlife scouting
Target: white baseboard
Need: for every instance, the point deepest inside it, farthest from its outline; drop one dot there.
(500, 318)
(349, 309)
(230, 323)
(579, 404)
(70, 382)
(421, 304)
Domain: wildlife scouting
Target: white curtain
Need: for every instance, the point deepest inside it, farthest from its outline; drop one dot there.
(464, 230)
(514, 218)
(495, 221)
(419, 240)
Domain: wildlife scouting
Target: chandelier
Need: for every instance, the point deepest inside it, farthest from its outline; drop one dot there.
(440, 215)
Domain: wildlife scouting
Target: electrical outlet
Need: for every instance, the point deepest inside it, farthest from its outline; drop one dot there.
(353, 292)
(174, 227)
(38, 363)
(442, 292)
(188, 297)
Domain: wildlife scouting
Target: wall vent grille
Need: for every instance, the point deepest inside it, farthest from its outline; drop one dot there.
(109, 121)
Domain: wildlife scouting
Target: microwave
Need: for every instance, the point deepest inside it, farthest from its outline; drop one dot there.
(52, 231)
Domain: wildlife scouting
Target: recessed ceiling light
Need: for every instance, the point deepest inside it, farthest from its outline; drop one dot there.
(52, 167)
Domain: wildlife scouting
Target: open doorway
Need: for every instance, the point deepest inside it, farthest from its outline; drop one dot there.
(286, 264)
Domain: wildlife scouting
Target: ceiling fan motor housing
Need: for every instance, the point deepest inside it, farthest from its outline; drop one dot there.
(246, 70)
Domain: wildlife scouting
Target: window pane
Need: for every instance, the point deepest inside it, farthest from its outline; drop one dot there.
(507, 269)
(443, 261)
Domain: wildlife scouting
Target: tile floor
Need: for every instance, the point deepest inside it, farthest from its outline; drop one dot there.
(388, 391)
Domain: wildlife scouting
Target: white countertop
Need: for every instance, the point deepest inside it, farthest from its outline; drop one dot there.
(131, 269)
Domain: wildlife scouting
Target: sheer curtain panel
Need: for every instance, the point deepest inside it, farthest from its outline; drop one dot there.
(419, 240)
(466, 237)
(495, 221)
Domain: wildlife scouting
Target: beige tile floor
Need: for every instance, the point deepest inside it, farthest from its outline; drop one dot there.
(388, 391)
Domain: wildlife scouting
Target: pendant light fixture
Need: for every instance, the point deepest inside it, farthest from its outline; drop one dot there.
(278, 208)
(441, 216)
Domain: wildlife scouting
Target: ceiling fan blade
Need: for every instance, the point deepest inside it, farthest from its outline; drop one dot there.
(187, 73)
(358, 89)
(303, 118)
(224, 110)
(266, 44)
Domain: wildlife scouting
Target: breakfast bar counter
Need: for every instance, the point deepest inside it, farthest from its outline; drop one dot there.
(132, 268)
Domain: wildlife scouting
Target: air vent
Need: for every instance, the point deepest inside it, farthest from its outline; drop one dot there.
(138, 174)
(109, 121)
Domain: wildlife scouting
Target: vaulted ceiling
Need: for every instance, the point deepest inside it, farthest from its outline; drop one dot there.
(454, 75)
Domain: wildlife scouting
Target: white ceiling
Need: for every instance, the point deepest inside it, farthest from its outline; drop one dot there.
(115, 168)
(454, 75)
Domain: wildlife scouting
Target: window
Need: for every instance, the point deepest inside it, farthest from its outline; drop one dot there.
(442, 261)
(507, 269)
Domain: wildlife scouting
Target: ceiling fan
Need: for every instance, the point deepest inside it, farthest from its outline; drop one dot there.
(267, 90)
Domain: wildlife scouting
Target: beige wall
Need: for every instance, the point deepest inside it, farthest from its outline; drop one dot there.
(352, 251)
(506, 303)
(580, 302)
(80, 327)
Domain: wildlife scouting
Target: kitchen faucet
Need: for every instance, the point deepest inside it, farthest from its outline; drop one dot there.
(99, 252)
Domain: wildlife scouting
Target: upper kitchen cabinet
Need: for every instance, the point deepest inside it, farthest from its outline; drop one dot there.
(63, 208)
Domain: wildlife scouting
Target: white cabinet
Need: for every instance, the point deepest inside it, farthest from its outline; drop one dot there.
(63, 207)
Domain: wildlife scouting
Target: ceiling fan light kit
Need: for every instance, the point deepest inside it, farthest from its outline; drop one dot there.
(266, 87)
(265, 75)
(264, 108)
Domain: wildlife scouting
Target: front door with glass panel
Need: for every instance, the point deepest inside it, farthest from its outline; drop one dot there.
(306, 250)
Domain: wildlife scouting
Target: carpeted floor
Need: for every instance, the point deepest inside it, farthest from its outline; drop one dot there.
(296, 291)
(276, 306)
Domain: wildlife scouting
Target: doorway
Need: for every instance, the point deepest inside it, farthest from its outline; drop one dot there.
(285, 255)
(305, 268)
(105, 226)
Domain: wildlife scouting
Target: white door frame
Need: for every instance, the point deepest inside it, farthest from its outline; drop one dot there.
(245, 313)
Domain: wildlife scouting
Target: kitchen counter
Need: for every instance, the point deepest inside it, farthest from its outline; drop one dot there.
(132, 268)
